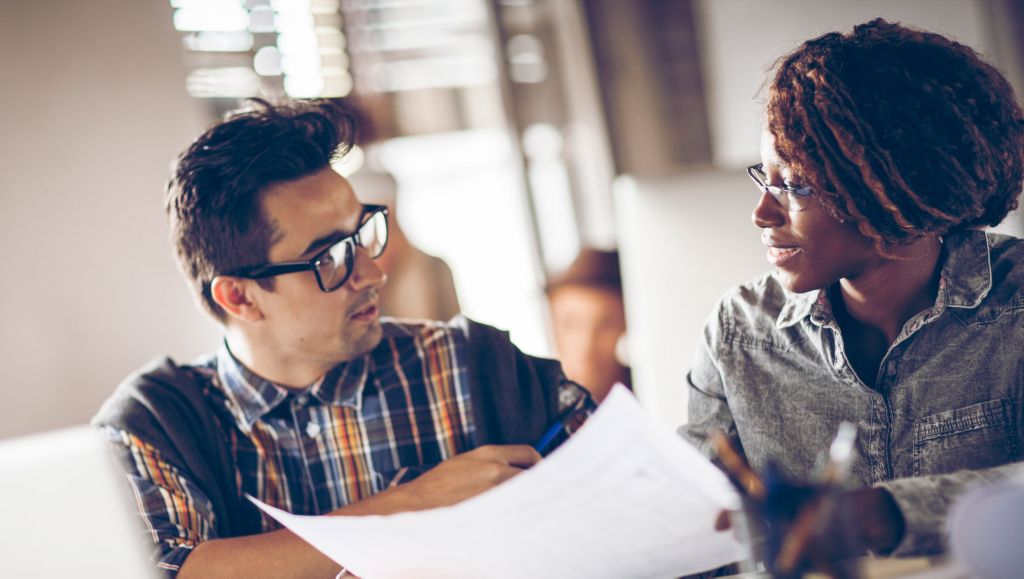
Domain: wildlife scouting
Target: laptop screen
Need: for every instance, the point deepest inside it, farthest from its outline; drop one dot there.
(66, 511)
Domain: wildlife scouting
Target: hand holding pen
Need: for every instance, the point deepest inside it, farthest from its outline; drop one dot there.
(736, 468)
(798, 516)
(812, 517)
(567, 423)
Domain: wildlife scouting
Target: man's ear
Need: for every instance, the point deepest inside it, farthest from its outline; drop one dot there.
(232, 294)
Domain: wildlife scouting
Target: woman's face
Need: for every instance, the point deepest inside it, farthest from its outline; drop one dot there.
(811, 249)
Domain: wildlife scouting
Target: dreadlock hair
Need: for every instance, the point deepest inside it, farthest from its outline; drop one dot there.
(903, 132)
(214, 194)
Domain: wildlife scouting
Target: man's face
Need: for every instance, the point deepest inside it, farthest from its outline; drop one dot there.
(811, 249)
(588, 323)
(301, 322)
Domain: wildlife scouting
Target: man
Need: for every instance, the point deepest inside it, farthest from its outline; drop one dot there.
(313, 404)
(589, 321)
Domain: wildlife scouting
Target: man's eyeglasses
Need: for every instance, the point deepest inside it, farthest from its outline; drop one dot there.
(333, 266)
(791, 198)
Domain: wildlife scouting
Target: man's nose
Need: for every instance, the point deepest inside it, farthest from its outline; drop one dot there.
(366, 272)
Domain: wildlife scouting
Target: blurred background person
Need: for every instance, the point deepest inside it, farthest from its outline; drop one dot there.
(589, 321)
(419, 285)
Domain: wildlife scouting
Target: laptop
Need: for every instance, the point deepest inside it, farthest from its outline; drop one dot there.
(65, 511)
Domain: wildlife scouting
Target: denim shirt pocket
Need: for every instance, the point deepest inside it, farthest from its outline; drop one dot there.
(974, 437)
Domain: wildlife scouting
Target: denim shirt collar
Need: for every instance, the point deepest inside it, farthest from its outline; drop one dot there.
(799, 306)
(252, 397)
(967, 273)
(965, 280)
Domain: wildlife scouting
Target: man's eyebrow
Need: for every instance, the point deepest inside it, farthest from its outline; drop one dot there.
(323, 241)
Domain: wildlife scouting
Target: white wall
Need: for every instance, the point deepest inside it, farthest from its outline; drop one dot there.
(92, 110)
(684, 239)
(741, 39)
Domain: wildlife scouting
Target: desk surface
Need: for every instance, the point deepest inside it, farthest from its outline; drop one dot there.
(889, 568)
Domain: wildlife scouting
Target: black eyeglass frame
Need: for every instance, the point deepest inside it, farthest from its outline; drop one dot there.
(285, 267)
(781, 194)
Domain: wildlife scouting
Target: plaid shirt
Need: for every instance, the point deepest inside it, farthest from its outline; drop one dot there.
(368, 424)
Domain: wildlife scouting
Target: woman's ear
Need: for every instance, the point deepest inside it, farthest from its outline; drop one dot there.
(232, 294)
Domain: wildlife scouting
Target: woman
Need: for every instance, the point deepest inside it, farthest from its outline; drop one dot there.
(885, 151)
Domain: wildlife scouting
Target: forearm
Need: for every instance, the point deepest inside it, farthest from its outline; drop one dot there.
(925, 502)
(275, 554)
(281, 553)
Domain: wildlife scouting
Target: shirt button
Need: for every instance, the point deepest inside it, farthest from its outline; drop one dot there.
(313, 429)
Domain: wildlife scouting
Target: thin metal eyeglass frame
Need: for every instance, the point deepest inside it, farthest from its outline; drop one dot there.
(781, 194)
(285, 267)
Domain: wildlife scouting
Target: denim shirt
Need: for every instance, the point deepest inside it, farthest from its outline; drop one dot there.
(944, 412)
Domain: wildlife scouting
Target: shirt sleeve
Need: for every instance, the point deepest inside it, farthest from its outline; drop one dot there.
(707, 407)
(176, 514)
(925, 503)
(574, 398)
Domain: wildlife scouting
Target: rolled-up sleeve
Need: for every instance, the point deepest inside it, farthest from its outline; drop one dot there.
(176, 514)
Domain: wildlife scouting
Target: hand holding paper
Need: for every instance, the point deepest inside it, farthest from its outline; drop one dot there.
(622, 498)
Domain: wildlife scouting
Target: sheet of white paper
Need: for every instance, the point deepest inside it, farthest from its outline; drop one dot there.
(622, 498)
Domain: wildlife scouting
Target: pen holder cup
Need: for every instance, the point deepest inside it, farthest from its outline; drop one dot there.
(812, 523)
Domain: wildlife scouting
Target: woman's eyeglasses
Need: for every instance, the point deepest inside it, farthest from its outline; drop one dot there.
(791, 198)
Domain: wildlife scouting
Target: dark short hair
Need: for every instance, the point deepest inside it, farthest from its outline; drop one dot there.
(213, 197)
(592, 268)
(904, 132)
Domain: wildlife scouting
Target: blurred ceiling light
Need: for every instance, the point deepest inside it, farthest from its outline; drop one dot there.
(267, 61)
(301, 66)
(261, 19)
(334, 61)
(283, 6)
(330, 39)
(299, 39)
(405, 40)
(212, 41)
(303, 86)
(542, 142)
(526, 59)
(414, 9)
(441, 72)
(319, 6)
(436, 23)
(326, 21)
(218, 16)
(297, 42)
(232, 82)
(337, 85)
(293, 21)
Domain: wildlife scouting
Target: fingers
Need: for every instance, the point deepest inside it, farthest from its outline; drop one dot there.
(722, 522)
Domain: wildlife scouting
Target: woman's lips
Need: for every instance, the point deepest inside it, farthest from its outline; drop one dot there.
(779, 256)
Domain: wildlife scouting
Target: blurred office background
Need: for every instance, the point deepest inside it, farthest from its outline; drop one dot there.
(519, 131)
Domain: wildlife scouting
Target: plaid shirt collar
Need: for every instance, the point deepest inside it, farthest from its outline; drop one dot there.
(250, 396)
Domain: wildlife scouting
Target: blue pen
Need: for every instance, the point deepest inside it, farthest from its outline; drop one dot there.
(549, 436)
